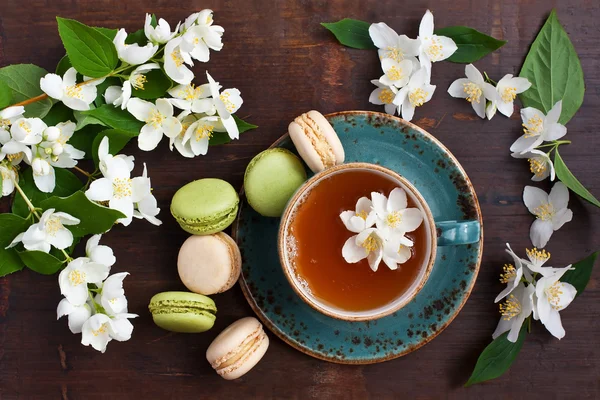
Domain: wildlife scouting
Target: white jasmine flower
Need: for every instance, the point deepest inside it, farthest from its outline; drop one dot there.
(512, 274)
(540, 164)
(199, 133)
(393, 214)
(433, 47)
(202, 18)
(552, 296)
(367, 244)
(177, 61)
(105, 158)
(397, 250)
(539, 128)
(122, 328)
(193, 98)
(535, 261)
(514, 311)
(474, 89)
(417, 92)
(99, 254)
(395, 73)
(118, 188)
(226, 104)
(384, 95)
(113, 298)
(120, 95)
(50, 230)
(360, 219)
(8, 116)
(551, 211)
(75, 96)
(9, 177)
(43, 174)
(508, 88)
(147, 207)
(159, 121)
(74, 278)
(198, 39)
(184, 149)
(133, 54)
(27, 131)
(161, 33)
(77, 314)
(391, 45)
(96, 331)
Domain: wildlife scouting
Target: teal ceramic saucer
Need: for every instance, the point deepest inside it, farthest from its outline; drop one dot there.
(409, 150)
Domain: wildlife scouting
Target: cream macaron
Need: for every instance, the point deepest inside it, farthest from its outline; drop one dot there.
(209, 264)
(238, 348)
(316, 141)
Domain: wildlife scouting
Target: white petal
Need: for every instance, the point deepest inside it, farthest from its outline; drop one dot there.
(540, 232)
(140, 188)
(473, 74)
(164, 107)
(554, 131)
(149, 137)
(52, 85)
(479, 107)
(122, 329)
(524, 144)
(559, 196)
(70, 77)
(45, 183)
(62, 239)
(411, 219)
(520, 84)
(231, 127)
(374, 258)
(426, 25)
(140, 109)
(78, 316)
(506, 108)
(382, 35)
(125, 206)
(95, 332)
(352, 252)
(94, 272)
(554, 114)
(100, 190)
(67, 219)
(379, 203)
(408, 110)
(531, 113)
(457, 88)
(448, 47)
(172, 127)
(562, 217)
(503, 326)
(554, 324)
(515, 329)
(397, 200)
(534, 197)
(112, 94)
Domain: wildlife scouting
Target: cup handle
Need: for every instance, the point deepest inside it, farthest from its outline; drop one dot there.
(450, 233)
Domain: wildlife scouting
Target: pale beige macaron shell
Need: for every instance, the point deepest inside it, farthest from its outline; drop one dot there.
(238, 348)
(316, 141)
(209, 264)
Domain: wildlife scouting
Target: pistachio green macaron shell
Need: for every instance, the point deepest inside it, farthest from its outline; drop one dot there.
(183, 312)
(271, 179)
(205, 206)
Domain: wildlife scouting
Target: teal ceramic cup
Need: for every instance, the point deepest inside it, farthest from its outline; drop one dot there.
(438, 233)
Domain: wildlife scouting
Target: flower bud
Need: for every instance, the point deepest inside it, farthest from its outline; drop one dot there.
(51, 133)
(48, 150)
(36, 165)
(57, 149)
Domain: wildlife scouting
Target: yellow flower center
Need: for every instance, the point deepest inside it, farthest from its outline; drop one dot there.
(363, 214)
(538, 256)
(371, 243)
(554, 292)
(74, 91)
(53, 225)
(472, 91)
(228, 104)
(538, 166)
(23, 125)
(204, 132)
(509, 274)
(386, 96)
(509, 94)
(511, 308)
(177, 58)
(545, 212)
(395, 73)
(12, 157)
(76, 277)
(100, 330)
(417, 97)
(190, 92)
(138, 81)
(4, 123)
(393, 219)
(121, 188)
(155, 118)
(5, 175)
(434, 50)
(394, 53)
(533, 127)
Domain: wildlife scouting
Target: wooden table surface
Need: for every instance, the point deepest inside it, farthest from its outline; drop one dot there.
(285, 63)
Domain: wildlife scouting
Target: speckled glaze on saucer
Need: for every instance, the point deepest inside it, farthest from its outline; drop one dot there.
(416, 155)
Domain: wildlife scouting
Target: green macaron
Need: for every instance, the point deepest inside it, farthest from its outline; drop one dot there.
(205, 206)
(271, 178)
(183, 312)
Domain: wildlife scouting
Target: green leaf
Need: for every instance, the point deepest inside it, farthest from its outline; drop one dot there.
(109, 33)
(6, 97)
(84, 120)
(351, 33)
(496, 358)
(116, 118)
(567, 177)
(554, 69)
(40, 262)
(472, 44)
(63, 65)
(92, 53)
(580, 275)
(66, 184)
(157, 84)
(94, 217)
(57, 114)
(117, 139)
(223, 137)
(10, 226)
(137, 37)
(24, 82)
(84, 138)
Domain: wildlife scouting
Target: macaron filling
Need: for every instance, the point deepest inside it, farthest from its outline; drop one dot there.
(317, 139)
(244, 350)
(203, 223)
(179, 307)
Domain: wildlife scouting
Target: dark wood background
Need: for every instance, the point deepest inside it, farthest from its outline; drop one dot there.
(285, 63)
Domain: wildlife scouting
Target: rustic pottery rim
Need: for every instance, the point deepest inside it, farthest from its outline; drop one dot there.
(306, 188)
(257, 310)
